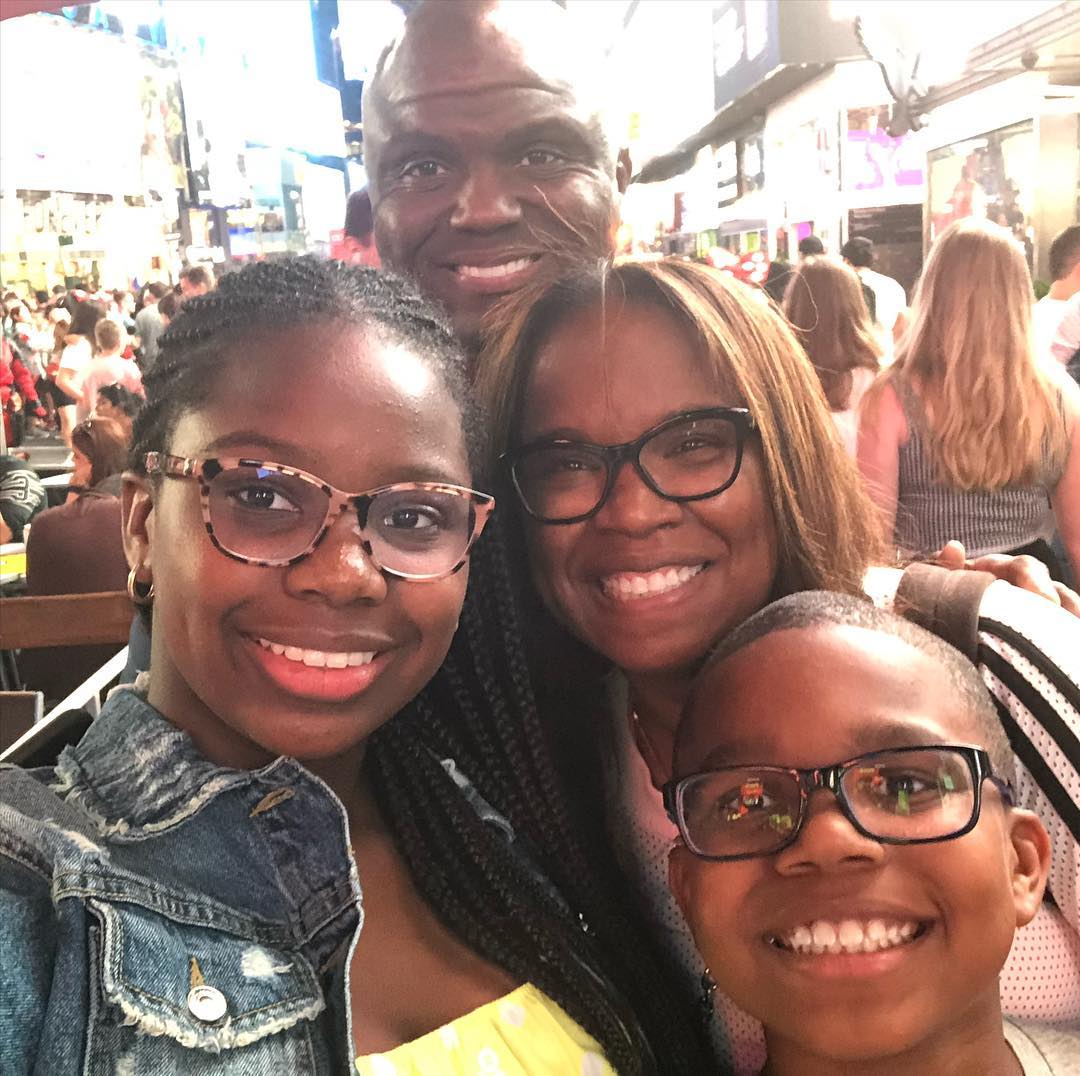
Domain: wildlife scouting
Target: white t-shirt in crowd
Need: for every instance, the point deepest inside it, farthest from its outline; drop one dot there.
(76, 357)
(847, 422)
(1046, 316)
(890, 299)
(889, 296)
(1066, 338)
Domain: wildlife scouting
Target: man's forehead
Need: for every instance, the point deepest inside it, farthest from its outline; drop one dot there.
(469, 48)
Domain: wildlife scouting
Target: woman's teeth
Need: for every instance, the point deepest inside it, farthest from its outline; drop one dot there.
(626, 586)
(848, 936)
(494, 272)
(318, 658)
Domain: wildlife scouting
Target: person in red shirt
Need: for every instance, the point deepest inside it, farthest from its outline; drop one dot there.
(18, 396)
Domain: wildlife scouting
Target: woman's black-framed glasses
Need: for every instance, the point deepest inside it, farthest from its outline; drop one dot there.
(273, 515)
(907, 795)
(689, 457)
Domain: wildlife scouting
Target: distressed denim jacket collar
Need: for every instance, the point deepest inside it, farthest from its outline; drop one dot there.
(134, 770)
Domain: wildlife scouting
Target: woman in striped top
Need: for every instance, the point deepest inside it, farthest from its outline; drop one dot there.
(967, 436)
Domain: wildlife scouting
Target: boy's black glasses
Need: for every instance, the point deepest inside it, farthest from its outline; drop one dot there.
(908, 795)
(273, 515)
(689, 457)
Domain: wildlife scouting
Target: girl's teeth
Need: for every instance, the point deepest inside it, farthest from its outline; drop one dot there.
(630, 585)
(318, 658)
(848, 936)
(801, 938)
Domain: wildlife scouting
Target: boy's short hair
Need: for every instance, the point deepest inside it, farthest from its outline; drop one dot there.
(1065, 252)
(859, 251)
(169, 305)
(811, 244)
(198, 275)
(107, 335)
(814, 608)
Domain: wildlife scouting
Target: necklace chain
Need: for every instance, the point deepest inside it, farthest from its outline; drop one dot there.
(647, 750)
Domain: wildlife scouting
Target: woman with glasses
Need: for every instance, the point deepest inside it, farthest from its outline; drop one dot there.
(298, 845)
(675, 466)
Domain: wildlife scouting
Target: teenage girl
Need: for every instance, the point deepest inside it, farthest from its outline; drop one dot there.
(273, 854)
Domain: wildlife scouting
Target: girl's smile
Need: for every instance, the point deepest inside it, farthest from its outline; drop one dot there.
(330, 676)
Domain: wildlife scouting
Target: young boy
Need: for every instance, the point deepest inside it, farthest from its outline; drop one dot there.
(850, 862)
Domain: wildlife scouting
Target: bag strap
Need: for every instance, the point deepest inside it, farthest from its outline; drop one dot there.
(945, 602)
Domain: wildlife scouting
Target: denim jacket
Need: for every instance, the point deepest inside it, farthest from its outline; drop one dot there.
(162, 914)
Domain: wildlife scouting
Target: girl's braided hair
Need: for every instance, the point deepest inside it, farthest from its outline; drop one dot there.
(549, 907)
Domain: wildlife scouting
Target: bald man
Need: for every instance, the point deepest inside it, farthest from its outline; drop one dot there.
(486, 151)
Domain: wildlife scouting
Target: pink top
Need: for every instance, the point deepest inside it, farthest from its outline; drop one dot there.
(107, 370)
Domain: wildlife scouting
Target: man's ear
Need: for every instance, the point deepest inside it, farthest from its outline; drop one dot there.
(136, 513)
(1030, 863)
(624, 169)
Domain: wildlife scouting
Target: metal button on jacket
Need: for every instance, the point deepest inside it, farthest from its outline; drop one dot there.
(206, 1003)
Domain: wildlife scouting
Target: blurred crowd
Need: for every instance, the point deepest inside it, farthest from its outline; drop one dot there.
(71, 375)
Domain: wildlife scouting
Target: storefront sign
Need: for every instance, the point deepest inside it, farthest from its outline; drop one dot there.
(754, 39)
(727, 174)
(752, 163)
(53, 147)
(143, 20)
(746, 46)
(875, 160)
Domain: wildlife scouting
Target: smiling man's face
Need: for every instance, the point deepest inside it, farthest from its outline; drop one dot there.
(486, 155)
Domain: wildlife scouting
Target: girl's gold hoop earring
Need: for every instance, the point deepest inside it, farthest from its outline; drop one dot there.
(141, 594)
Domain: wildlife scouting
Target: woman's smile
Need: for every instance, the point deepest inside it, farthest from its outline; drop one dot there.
(636, 586)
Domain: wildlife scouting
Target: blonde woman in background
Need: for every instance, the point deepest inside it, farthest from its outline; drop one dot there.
(968, 435)
(824, 304)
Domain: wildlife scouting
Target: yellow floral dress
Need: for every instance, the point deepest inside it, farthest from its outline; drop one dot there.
(522, 1034)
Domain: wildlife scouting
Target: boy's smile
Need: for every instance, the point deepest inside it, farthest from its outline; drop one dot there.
(855, 950)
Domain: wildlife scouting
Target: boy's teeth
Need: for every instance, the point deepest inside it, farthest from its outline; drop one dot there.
(629, 585)
(318, 658)
(493, 272)
(848, 936)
